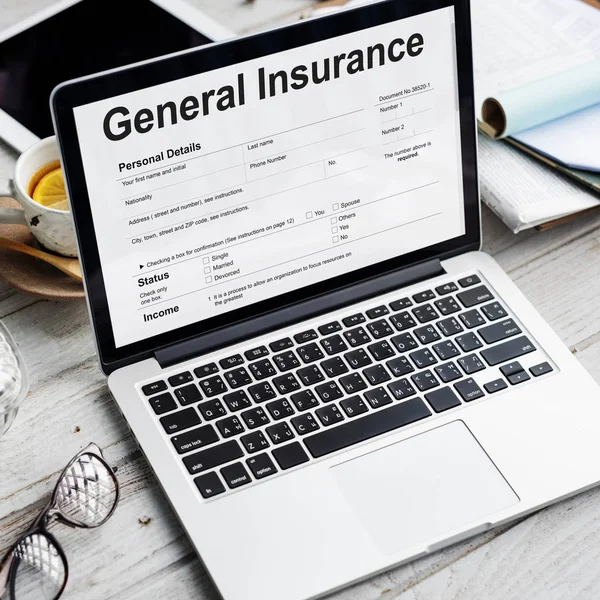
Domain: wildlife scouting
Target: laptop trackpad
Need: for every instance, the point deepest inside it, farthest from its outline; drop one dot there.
(417, 490)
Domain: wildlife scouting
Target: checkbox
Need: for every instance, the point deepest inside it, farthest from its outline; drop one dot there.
(333, 220)
(309, 215)
(336, 207)
(207, 270)
(209, 280)
(336, 239)
(206, 260)
(334, 230)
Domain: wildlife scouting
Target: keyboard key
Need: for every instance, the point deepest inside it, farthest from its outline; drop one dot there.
(423, 296)
(448, 372)
(381, 350)
(310, 375)
(255, 417)
(377, 312)
(472, 318)
(427, 335)
(213, 457)
(403, 321)
(468, 389)
(279, 409)
(190, 394)
(404, 342)
(254, 442)
(495, 386)
(401, 389)
(237, 400)
(206, 370)
(238, 377)
(304, 424)
(450, 326)
(279, 433)
(335, 366)
(230, 426)
(541, 369)
(283, 344)
(377, 374)
(471, 364)
(448, 288)
(378, 397)
(180, 379)
(290, 456)
(256, 353)
(494, 311)
(310, 353)
(329, 415)
(195, 439)
(306, 336)
(399, 366)
(209, 485)
(447, 306)
(499, 331)
(442, 399)
(425, 380)
(358, 358)
(380, 329)
(212, 409)
(262, 369)
(261, 466)
(286, 361)
(285, 384)
(446, 350)
(354, 406)
(329, 391)
(329, 328)
(353, 383)
(213, 386)
(423, 358)
(334, 345)
(262, 392)
(474, 296)
(509, 369)
(154, 388)
(400, 304)
(304, 400)
(517, 378)
(370, 426)
(425, 313)
(235, 475)
(468, 342)
(469, 281)
(231, 361)
(178, 421)
(163, 403)
(508, 350)
(354, 320)
(357, 337)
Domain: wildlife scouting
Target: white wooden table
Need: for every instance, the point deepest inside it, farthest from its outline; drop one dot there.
(142, 553)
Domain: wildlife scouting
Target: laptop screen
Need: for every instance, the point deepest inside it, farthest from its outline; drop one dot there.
(220, 190)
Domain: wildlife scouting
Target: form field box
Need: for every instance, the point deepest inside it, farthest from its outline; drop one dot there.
(207, 270)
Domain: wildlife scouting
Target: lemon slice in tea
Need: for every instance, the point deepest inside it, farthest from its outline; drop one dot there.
(51, 192)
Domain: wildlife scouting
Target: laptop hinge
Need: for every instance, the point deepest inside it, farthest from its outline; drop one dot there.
(301, 311)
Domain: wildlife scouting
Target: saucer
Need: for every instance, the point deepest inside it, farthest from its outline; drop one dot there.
(31, 275)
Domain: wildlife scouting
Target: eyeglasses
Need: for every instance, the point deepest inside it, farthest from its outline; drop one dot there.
(85, 496)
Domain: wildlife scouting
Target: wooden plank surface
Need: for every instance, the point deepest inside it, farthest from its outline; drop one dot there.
(142, 553)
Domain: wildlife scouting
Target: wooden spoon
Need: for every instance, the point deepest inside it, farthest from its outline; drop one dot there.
(70, 266)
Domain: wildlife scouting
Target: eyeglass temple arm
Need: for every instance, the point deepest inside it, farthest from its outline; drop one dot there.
(4, 571)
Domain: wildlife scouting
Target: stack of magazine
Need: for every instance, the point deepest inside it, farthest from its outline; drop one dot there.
(537, 79)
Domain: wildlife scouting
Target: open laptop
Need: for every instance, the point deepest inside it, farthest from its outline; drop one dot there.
(280, 237)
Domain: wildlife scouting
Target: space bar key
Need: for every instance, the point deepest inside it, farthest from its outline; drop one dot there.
(367, 427)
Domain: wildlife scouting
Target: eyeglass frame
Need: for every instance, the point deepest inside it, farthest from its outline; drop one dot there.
(40, 525)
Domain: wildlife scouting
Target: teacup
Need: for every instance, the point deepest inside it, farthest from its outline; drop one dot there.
(52, 228)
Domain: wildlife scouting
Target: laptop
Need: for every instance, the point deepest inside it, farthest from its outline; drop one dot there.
(280, 239)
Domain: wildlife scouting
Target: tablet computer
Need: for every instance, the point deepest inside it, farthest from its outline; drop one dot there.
(74, 38)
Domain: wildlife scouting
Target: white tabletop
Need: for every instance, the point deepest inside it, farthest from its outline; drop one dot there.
(142, 553)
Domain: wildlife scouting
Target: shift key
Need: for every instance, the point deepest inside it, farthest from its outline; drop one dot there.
(508, 350)
(213, 457)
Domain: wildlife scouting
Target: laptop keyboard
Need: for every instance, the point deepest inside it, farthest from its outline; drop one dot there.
(277, 406)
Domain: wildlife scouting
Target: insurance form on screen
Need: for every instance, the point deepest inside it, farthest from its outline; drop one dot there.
(219, 190)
